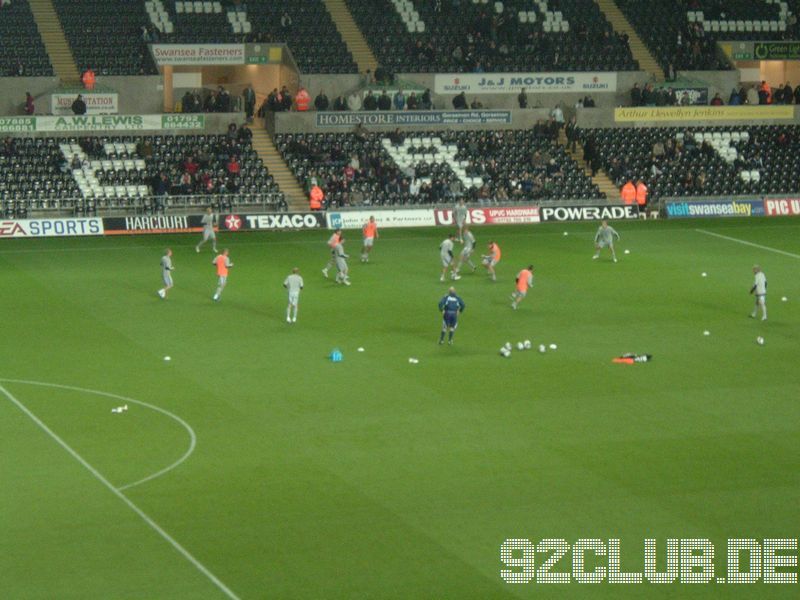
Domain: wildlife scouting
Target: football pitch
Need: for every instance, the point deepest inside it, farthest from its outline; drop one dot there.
(251, 466)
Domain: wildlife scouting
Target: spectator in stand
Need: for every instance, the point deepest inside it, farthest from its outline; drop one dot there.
(340, 104)
(286, 20)
(233, 166)
(190, 166)
(648, 97)
(588, 102)
(685, 100)
(29, 107)
(249, 99)
(88, 78)
(460, 101)
(669, 73)
(413, 102)
(734, 99)
(716, 100)
(302, 100)
(187, 102)
(764, 93)
(522, 99)
(476, 104)
(558, 115)
(797, 95)
(425, 102)
(354, 101)
(384, 101)
(752, 95)
(370, 103)
(628, 193)
(79, 106)
(641, 194)
(777, 97)
(788, 93)
(636, 95)
(210, 104)
(321, 101)
(285, 99)
(186, 184)
(571, 131)
(399, 100)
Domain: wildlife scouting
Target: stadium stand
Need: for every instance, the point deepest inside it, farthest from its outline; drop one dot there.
(23, 52)
(684, 34)
(107, 35)
(306, 27)
(432, 167)
(514, 35)
(700, 161)
(87, 174)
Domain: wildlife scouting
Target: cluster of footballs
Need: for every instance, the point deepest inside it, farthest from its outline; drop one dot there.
(505, 351)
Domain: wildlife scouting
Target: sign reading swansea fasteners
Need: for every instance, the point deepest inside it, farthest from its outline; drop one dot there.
(411, 118)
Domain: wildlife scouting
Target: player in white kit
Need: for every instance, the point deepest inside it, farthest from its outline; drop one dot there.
(166, 273)
(209, 220)
(293, 284)
(760, 290)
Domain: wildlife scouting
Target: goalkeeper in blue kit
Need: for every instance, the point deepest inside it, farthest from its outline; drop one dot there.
(450, 306)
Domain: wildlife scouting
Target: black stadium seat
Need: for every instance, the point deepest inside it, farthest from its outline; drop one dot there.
(22, 52)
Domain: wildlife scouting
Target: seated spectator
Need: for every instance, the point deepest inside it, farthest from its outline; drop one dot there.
(734, 99)
(588, 102)
(460, 101)
(76, 163)
(340, 104)
(685, 100)
(764, 93)
(425, 102)
(413, 102)
(752, 95)
(788, 93)
(716, 100)
(302, 100)
(186, 184)
(79, 106)
(190, 166)
(476, 104)
(233, 166)
(354, 101)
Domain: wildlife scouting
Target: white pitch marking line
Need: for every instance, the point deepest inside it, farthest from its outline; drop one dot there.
(144, 516)
(184, 424)
(746, 243)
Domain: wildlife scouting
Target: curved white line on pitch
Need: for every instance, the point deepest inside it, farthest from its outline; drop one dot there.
(174, 417)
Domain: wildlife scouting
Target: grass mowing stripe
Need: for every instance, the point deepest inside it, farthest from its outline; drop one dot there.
(97, 475)
(746, 243)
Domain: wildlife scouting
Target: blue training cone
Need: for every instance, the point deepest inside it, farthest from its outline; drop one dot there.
(336, 355)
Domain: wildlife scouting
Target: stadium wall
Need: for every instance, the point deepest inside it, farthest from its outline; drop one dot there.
(12, 93)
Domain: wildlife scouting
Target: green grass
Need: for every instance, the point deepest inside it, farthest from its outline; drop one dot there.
(375, 478)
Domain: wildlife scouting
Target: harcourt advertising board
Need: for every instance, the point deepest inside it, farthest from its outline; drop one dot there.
(29, 228)
(269, 221)
(496, 215)
(152, 224)
(711, 208)
(412, 217)
(782, 207)
(506, 83)
(589, 213)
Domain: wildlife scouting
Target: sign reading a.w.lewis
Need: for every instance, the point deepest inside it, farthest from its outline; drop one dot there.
(89, 123)
(590, 213)
(506, 83)
(29, 228)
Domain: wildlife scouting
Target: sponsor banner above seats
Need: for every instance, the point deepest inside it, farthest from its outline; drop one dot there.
(584, 212)
(714, 208)
(267, 221)
(410, 118)
(702, 113)
(216, 54)
(355, 219)
(97, 103)
(492, 215)
(30, 228)
(537, 83)
(782, 207)
(91, 123)
(781, 50)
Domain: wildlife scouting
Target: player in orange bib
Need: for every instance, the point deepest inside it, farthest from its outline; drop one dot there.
(524, 281)
(490, 260)
(223, 263)
(370, 235)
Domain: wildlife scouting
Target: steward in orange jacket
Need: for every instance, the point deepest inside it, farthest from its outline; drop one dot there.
(315, 198)
(302, 100)
(641, 193)
(628, 193)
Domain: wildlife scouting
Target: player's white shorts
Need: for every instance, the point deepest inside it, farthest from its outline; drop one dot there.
(368, 242)
(208, 234)
(489, 261)
(466, 252)
(605, 244)
(294, 298)
(446, 261)
(761, 299)
(223, 279)
(460, 223)
(167, 278)
(341, 265)
(520, 293)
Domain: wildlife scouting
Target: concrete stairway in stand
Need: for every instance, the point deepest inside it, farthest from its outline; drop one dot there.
(602, 180)
(640, 52)
(265, 146)
(352, 35)
(55, 41)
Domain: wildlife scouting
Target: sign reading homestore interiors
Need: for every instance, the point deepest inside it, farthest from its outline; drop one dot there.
(702, 113)
(506, 83)
(91, 123)
(410, 118)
